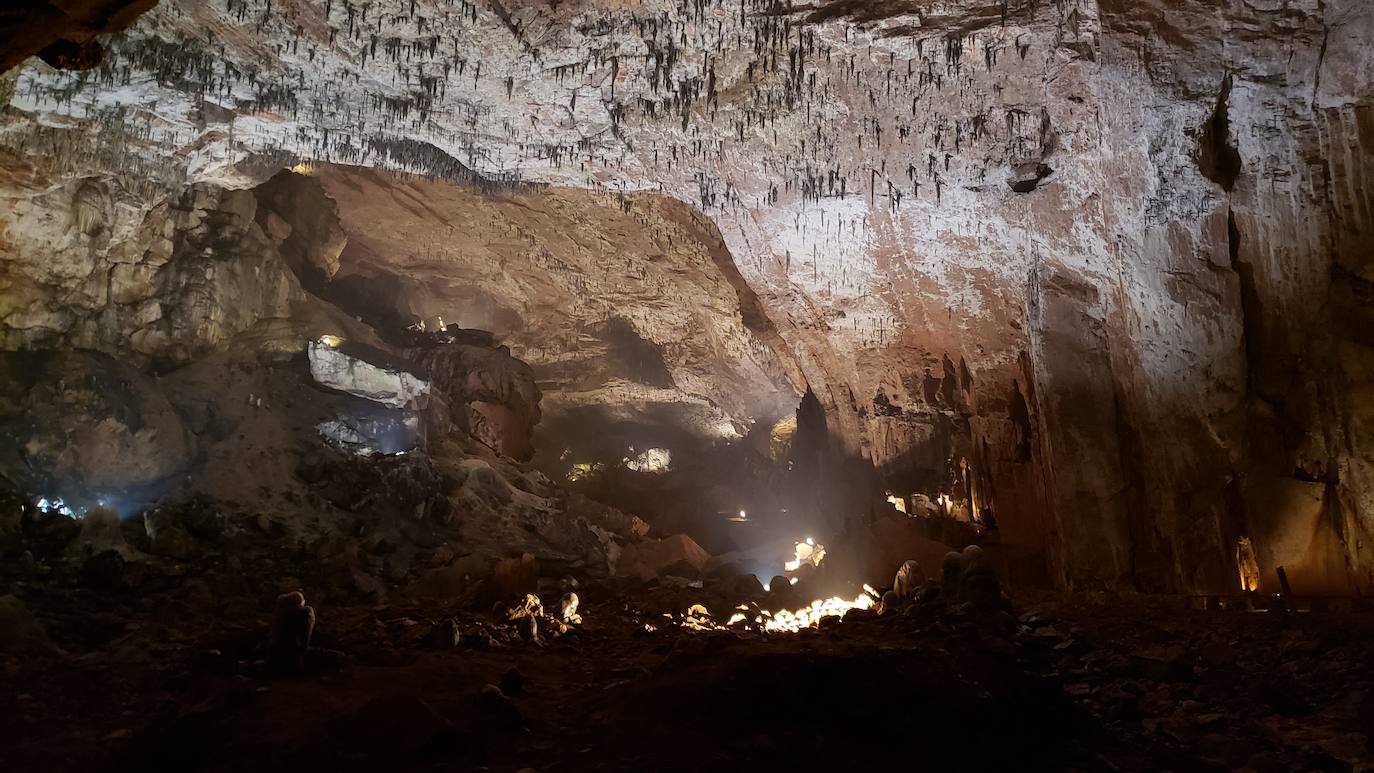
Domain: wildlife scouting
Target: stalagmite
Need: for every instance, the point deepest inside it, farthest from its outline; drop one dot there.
(293, 624)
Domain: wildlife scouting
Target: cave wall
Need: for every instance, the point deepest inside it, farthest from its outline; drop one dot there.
(618, 301)
(1109, 251)
(1223, 414)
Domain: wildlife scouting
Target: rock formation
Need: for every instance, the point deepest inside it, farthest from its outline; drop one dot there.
(1096, 269)
(364, 372)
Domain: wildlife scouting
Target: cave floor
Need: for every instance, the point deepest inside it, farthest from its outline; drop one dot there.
(175, 683)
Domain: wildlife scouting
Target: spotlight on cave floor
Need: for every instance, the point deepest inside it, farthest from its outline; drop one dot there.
(805, 552)
(383, 432)
(753, 617)
(583, 471)
(1248, 565)
(54, 505)
(652, 460)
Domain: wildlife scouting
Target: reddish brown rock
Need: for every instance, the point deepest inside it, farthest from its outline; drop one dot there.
(677, 554)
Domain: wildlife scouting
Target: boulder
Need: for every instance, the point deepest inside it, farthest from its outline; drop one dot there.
(110, 570)
(910, 576)
(11, 520)
(485, 482)
(364, 371)
(447, 634)
(49, 533)
(493, 395)
(495, 705)
(100, 533)
(513, 682)
(951, 572)
(677, 554)
(516, 576)
(293, 624)
(606, 517)
(567, 609)
(780, 585)
(167, 537)
(76, 424)
(454, 581)
(529, 606)
(734, 582)
(889, 603)
(978, 582)
(20, 633)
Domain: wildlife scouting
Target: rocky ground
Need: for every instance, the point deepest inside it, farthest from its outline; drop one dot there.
(174, 676)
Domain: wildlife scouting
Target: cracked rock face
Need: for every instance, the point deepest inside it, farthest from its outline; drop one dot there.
(1107, 259)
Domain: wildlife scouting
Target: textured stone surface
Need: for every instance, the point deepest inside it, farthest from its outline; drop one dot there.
(492, 394)
(1111, 254)
(63, 33)
(364, 372)
(82, 425)
(623, 301)
(162, 280)
(677, 554)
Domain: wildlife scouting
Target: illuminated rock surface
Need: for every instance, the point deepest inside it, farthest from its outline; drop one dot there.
(345, 368)
(1106, 252)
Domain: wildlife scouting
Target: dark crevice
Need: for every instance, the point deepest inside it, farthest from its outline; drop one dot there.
(425, 158)
(1299, 473)
(1029, 179)
(63, 34)
(71, 55)
(1218, 159)
(1321, 58)
(1019, 413)
(631, 353)
(1250, 310)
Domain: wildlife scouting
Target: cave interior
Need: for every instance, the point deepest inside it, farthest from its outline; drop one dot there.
(540, 385)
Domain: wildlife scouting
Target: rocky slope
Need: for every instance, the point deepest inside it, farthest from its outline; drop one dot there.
(1105, 255)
